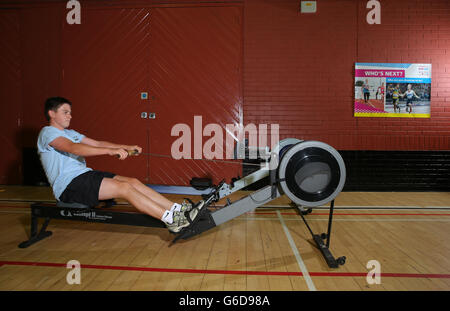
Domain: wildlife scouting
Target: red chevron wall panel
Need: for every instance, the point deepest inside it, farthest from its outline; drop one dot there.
(195, 70)
(104, 70)
(188, 60)
(10, 98)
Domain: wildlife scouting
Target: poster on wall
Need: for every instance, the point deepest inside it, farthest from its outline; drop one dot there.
(392, 90)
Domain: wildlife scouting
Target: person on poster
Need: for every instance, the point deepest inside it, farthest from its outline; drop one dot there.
(410, 94)
(380, 90)
(395, 97)
(366, 91)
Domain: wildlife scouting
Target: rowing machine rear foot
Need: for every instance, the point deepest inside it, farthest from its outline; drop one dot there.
(306, 212)
(341, 260)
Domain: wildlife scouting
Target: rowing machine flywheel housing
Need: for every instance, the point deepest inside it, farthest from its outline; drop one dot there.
(311, 173)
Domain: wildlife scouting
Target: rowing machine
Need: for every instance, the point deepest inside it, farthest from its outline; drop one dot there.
(309, 173)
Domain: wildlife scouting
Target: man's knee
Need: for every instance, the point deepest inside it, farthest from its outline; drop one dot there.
(134, 181)
(130, 180)
(111, 188)
(121, 189)
(125, 189)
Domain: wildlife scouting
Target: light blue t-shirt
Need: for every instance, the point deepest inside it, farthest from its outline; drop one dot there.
(59, 166)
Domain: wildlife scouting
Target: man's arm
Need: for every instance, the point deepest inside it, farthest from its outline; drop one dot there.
(106, 144)
(85, 150)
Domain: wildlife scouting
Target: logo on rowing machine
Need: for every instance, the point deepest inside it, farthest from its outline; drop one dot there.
(88, 215)
(65, 213)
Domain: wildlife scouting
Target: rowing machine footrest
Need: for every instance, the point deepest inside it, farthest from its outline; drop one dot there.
(190, 201)
(204, 223)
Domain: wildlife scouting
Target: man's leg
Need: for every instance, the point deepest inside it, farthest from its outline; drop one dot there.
(111, 188)
(147, 191)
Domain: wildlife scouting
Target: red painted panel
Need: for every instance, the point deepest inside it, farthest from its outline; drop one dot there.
(105, 68)
(195, 70)
(10, 98)
(41, 72)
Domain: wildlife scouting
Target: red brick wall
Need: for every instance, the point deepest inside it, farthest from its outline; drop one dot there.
(299, 69)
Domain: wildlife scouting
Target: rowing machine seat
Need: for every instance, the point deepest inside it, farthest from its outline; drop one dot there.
(107, 203)
(71, 205)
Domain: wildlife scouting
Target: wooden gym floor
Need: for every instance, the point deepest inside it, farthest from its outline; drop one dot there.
(268, 249)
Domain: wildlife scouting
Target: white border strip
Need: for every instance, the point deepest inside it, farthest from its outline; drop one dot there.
(300, 262)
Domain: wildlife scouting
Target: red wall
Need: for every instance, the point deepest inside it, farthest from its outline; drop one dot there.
(10, 90)
(30, 66)
(299, 69)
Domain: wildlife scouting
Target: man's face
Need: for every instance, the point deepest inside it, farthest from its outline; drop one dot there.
(61, 118)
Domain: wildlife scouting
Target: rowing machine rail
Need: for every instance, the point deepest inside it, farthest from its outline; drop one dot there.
(78, 213)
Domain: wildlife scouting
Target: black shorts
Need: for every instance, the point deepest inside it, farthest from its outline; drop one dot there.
(84, 188)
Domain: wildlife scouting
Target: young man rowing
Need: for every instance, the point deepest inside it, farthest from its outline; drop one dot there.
(62, 153)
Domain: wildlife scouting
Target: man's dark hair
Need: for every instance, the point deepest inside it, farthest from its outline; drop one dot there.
(53, 103)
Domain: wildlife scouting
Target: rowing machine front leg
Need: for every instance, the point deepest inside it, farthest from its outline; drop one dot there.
(35, 235)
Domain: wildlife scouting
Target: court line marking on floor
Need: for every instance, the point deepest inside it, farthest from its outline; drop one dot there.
(300, 262)
(311, 219)
(353, 214)
(226, 272)
(353, 219)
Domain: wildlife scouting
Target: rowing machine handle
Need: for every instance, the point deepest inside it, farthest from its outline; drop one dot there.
(134, 152)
